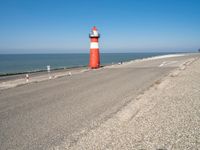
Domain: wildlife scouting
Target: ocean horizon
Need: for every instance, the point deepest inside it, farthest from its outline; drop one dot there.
(19, 63)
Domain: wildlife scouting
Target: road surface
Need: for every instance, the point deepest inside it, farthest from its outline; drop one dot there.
(42, 115)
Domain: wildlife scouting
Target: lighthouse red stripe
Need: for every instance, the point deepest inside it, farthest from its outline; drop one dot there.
(94, 39)
(94, 58)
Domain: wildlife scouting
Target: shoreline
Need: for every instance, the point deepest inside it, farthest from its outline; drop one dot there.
(85, 66)
(38, 71)
(10, 81)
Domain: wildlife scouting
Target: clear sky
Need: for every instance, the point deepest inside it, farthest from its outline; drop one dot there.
(62, 26)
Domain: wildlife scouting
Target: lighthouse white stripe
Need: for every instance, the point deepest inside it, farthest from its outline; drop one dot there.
(94, 45)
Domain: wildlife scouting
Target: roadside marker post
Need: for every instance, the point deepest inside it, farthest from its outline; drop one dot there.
(49, 71)
(27, 78)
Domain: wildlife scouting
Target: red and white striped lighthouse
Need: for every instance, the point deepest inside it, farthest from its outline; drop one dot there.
(94, 49)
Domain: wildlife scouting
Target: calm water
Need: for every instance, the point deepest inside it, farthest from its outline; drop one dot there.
(15, 63)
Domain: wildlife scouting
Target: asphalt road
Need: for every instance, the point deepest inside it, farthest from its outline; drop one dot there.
(42, 115)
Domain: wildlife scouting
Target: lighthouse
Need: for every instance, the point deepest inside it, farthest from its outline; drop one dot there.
(94, 49)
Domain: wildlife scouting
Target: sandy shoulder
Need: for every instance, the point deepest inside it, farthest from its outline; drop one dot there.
(167, 116)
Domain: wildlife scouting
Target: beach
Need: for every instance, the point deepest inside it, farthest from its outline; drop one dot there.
(141, 104)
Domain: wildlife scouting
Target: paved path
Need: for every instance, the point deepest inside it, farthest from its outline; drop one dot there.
(49, 113)
(165, 117)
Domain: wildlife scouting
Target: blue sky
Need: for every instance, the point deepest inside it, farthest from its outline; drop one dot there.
(62, 26)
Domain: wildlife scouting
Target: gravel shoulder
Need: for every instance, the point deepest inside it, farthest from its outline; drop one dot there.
(167, 116)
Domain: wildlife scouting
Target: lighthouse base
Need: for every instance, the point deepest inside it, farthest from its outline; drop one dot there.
(95, 67)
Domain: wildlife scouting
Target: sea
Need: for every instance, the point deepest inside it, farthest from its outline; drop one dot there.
(21, 63)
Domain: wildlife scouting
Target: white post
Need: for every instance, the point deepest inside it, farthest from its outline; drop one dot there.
(49, 71)
(27, 78)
